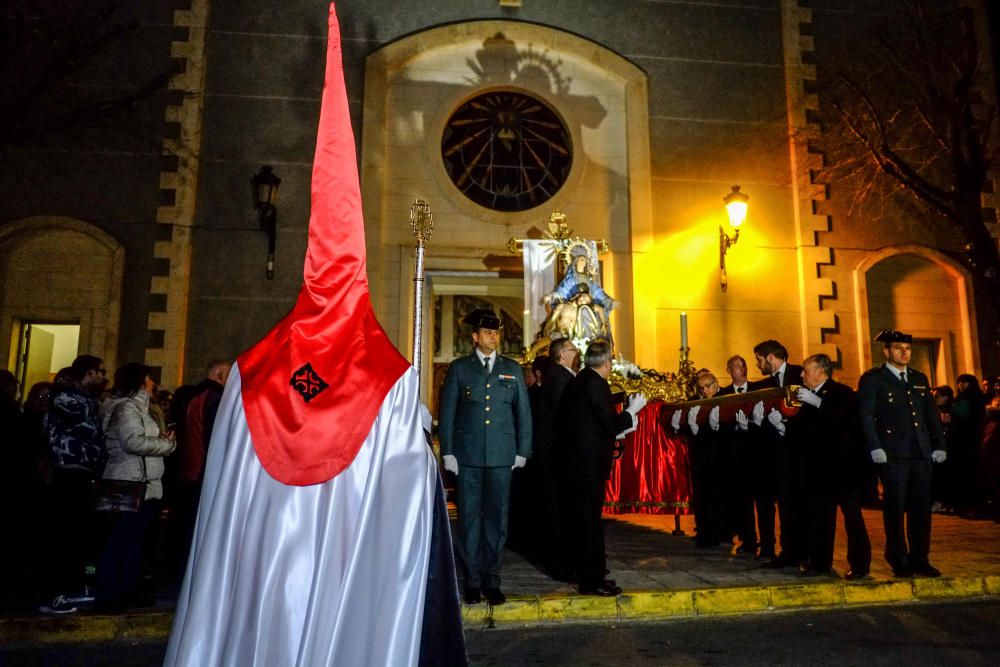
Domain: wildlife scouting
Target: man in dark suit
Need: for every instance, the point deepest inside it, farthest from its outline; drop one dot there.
(738, 461)
(772, 360)
(485, 432)
(904, 436)
(564, 363)
(827, 427)
(587, 425)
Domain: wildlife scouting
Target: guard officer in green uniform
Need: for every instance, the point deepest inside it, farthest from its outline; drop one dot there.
(904, 437)
(485, 432)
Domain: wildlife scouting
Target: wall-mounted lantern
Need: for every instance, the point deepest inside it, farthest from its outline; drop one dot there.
(265, 193)
(736, 207)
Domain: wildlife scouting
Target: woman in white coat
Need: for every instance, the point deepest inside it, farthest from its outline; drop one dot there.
(136, 449)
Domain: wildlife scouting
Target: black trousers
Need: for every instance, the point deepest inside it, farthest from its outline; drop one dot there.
(707, 488)
(859, 545)
(69, 535)
(739, 485)
(586, 530)
(764, 492)
(906, 511)
(792, 504)
(120, 566)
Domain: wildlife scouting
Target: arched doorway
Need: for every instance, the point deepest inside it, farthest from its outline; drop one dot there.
(596, 106)
(925, 293)
(59, 272)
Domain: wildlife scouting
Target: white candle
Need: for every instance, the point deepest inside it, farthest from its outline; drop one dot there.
(684, 330)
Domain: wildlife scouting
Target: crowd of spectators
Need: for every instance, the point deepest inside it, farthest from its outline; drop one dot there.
(101, 483)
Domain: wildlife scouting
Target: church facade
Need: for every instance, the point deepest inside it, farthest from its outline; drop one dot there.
(632, 119)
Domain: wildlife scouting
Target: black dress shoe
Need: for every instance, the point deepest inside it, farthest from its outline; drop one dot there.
(926, 570)
(854, 575)
(472, 596)
(902, 572)
(809, 570)
(602, 590)
(494, 596)
(777, 563)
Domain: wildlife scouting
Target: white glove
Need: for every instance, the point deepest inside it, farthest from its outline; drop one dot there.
(450, 463)
(675, 421)
(758, 413)
(713, 418)
(630, 429)
(742, 423)
(693, 419)
(776, 418)
(939, 456)
(519, 462)
(808, 397)
(878, 456)
(636, 402)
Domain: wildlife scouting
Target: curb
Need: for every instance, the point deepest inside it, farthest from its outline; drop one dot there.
(660, 605)
(562, 609)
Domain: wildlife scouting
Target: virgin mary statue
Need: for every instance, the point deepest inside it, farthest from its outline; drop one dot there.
(579, 304)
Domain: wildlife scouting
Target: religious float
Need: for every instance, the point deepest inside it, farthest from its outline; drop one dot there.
(652, 475)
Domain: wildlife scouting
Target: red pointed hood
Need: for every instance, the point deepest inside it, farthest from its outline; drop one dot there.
(313, 386)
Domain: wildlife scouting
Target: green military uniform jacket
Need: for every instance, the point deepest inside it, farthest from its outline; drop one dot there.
(484, 420)
(899, 418)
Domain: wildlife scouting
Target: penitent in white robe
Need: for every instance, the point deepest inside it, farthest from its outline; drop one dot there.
(328, 574)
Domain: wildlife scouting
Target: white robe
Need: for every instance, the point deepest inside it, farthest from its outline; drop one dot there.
(329, 574)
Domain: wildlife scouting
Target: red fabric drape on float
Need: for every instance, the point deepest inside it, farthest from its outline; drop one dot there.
(652, 476)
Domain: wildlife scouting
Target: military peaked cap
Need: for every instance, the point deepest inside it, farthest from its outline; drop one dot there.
(889, 336)
(482, 318)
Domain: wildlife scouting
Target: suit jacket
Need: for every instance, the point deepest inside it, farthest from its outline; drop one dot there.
(731, 389)
(586, 426)
(830, 438)
(554, 382)
(485, 420)
(792, 375)
(897, 416)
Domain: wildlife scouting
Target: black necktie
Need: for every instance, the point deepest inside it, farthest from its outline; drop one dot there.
(902, 376)
(777, 376)
(486, 364)
(741, 390)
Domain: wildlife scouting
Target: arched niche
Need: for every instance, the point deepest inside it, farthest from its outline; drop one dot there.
(925, 293)
(58, 269)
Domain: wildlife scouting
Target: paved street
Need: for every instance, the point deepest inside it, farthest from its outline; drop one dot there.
(965, 633)
(942, 634)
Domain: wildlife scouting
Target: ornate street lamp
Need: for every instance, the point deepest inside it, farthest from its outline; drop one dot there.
(736, 207)
(264, 185)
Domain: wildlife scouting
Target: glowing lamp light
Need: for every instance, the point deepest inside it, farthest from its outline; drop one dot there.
(736, 207)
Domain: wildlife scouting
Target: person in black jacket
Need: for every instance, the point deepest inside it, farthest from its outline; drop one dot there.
(586, 425)
(739, 482)
(77, 453)
(904, 437)
(772, 360)
(827, 426)
(564, 363)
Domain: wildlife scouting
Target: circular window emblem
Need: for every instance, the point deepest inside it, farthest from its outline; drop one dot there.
(506, 151)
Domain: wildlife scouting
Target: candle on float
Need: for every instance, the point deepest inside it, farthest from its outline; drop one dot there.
(684, 330)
